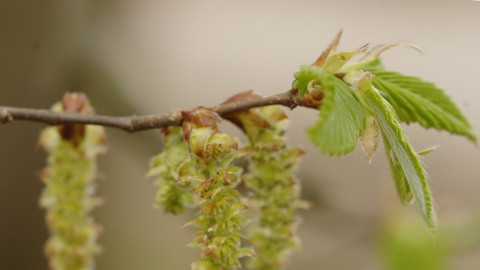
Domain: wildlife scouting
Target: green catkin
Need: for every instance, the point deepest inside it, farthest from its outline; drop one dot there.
(275, 190)
(173, 197)
(68, 196)
(213, 180)
(276, 196)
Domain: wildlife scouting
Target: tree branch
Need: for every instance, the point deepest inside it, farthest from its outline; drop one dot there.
(138, 123)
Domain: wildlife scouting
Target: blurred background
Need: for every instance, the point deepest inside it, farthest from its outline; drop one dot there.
(149, 57)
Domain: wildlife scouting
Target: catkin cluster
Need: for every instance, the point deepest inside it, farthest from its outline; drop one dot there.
(68, 196)
(275, 190)
(212, 180)
(196, 160)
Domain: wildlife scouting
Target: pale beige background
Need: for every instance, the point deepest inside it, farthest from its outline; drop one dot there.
(153, 56)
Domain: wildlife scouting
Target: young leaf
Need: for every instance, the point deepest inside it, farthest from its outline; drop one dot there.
(341, 118)
(404, 156)
(401, 184)
(417, 101)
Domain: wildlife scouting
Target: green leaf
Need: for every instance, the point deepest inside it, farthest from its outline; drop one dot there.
(401, 184)
(417, 101)
(341, 118)
(304, 77)
(404, 157)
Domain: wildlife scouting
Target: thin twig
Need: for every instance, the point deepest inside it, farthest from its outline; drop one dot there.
(138, 123)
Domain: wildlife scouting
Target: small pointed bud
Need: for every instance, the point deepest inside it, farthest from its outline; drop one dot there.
(338, 60)
(332, 47)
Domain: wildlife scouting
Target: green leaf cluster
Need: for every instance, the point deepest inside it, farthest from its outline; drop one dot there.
(358, 100)
(418, 101)
(341, 119)
(409, 175)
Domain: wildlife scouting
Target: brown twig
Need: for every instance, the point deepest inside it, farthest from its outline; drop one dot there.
(138, 123)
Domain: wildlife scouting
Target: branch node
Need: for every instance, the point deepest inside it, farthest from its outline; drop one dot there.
(5, 116)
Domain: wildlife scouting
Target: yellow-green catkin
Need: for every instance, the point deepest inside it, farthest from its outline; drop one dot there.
(275, 190)
(213, 180)
(172, 196)
(68, 196)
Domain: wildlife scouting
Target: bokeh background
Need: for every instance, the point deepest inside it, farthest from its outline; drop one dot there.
(147, 57)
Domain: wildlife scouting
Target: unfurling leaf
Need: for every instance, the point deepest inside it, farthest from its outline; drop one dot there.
(336, 61)
(341, 118)
(404, 157)
(415, 100)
